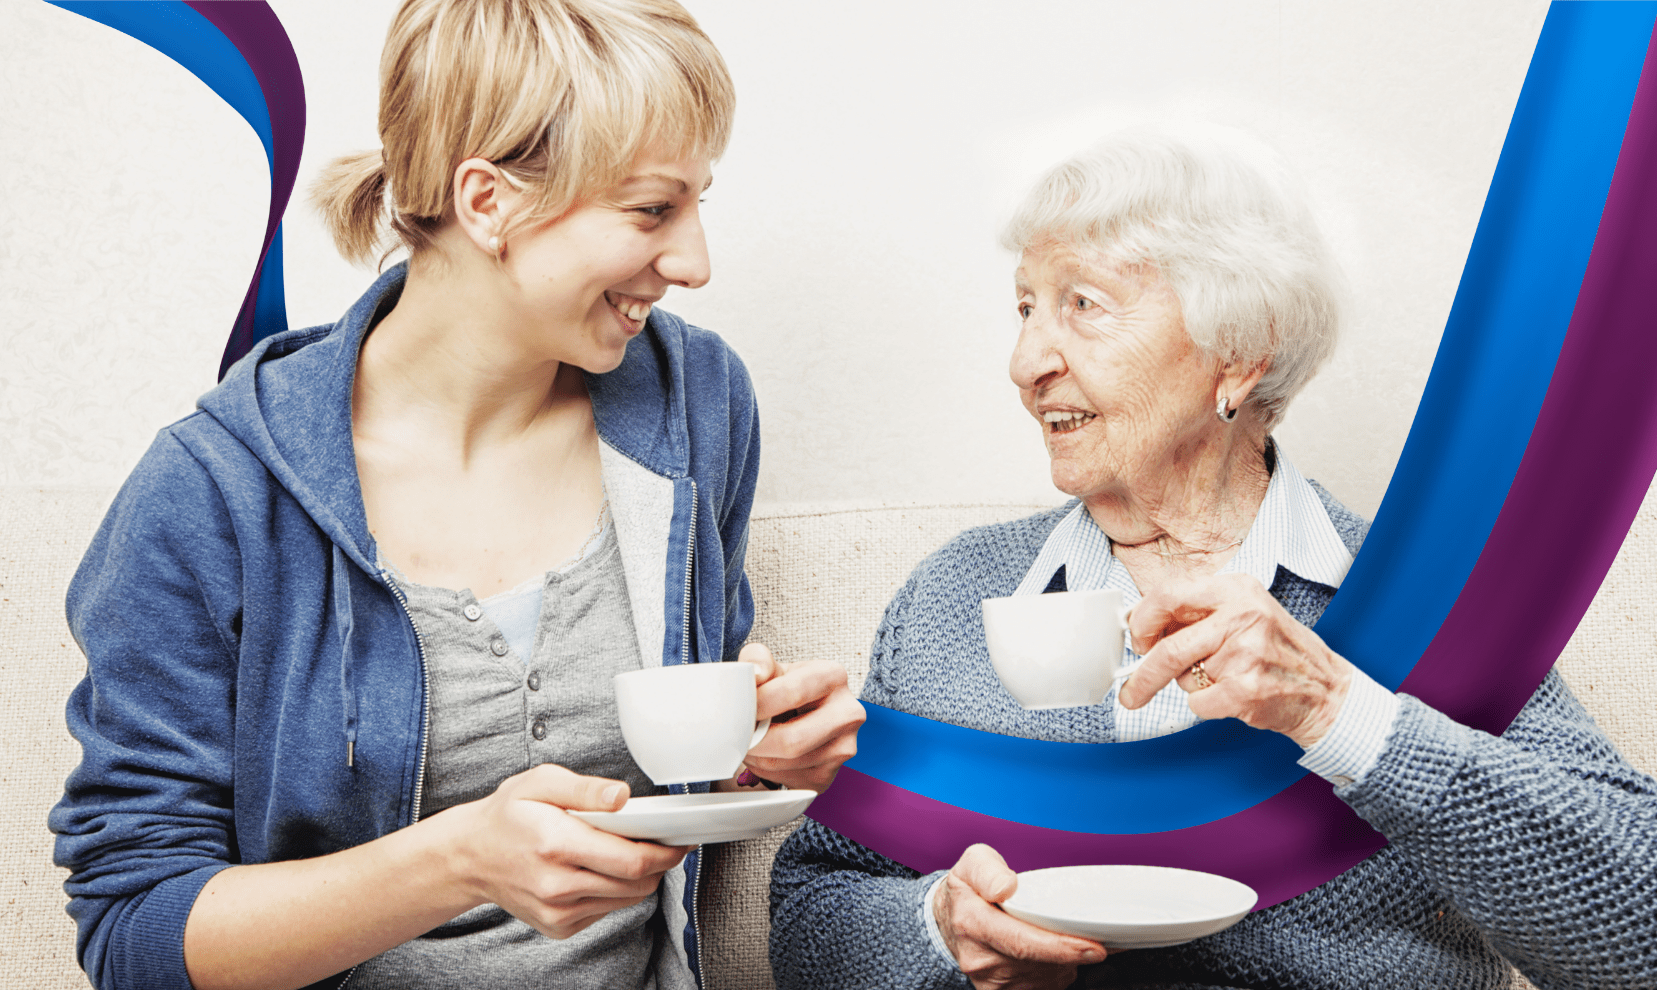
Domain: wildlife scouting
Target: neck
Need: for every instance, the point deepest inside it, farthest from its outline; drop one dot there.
(449, 366)
(1194, 515)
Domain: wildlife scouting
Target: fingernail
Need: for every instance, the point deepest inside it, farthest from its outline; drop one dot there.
(1093, 956)
(612, 793)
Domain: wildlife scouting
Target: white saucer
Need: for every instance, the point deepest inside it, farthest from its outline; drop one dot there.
(692, 819)
(1130, 907)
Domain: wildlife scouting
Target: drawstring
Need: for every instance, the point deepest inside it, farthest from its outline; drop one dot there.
(342, 618)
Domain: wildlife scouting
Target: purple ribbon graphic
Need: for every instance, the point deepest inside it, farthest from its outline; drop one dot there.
(258, 35)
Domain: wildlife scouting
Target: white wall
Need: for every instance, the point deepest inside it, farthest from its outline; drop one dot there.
(852, 223)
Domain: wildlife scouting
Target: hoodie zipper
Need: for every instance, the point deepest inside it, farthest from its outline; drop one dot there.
(426, 705)
(690, 558)
(425, 720)
(695, 881)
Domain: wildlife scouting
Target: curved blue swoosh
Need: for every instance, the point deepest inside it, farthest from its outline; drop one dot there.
(191, 40)
(215, 40)
(1502, 339)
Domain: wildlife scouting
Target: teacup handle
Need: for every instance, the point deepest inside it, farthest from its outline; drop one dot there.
(1122, 615)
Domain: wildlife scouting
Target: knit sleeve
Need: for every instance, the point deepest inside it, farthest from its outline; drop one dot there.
(842, 915)
(881, 687)
(1545, 838)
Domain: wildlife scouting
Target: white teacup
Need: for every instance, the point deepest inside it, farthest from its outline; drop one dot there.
(689, 722)
(1057, 650)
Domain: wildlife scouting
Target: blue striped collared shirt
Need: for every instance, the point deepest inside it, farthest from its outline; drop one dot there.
(1291, 529)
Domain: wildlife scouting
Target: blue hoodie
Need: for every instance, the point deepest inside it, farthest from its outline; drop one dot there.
(255, 688)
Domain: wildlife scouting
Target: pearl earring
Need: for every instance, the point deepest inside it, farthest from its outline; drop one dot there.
(494, 245)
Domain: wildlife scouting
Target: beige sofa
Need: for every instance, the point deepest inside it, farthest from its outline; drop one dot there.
(821, 577)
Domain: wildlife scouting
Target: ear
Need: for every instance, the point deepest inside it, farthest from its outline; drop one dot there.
(484, 200)
(1237, 380)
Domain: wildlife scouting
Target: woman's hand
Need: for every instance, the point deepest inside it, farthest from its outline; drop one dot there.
(517, 848)
(291, 923)
(994, 949)
(1260, 664)
(814, 720)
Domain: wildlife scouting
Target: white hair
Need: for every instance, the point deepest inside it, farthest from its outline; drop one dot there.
(1224, 221)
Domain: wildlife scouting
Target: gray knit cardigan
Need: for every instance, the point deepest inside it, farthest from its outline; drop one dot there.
(1538, 847)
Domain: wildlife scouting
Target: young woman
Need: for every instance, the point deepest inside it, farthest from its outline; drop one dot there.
(350, 627)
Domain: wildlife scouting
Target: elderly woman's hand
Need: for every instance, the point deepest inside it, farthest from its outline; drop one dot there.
(814, 720)
(1258, 663)
(994, 949)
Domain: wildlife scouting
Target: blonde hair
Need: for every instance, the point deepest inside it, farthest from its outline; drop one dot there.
(1223, 220)
(562, 95)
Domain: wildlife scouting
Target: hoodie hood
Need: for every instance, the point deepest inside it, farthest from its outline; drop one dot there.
(289, 402)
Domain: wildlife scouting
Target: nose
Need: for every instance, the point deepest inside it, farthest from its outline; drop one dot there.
(1036, 360)
(684, 261)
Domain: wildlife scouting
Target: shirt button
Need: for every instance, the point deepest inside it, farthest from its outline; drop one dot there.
(539, 729)
(474, 612)
(497, 646)
(535, 681)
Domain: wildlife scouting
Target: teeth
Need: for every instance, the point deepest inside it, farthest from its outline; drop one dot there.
(634, 309)
(1066, 421)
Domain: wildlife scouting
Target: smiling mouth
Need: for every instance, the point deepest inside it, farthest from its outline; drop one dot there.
(634, 311)
(1067, 422)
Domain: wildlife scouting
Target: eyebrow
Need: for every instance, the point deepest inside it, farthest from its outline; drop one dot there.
(678, 184)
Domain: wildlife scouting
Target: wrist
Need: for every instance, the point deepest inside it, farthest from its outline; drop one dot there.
(441, 849)
(938, 899)
(1323, 718)
(1353, 745)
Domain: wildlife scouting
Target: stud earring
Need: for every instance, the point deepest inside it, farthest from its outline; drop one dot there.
(494, 245)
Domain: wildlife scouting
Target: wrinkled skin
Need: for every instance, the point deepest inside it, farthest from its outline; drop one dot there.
(995, 950)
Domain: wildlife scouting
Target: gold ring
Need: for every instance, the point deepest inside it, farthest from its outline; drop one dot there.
(1203, 680)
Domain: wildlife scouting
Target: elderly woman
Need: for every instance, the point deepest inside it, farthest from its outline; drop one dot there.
(1175, 295)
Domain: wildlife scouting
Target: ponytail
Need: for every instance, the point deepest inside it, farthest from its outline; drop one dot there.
(350, 194)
